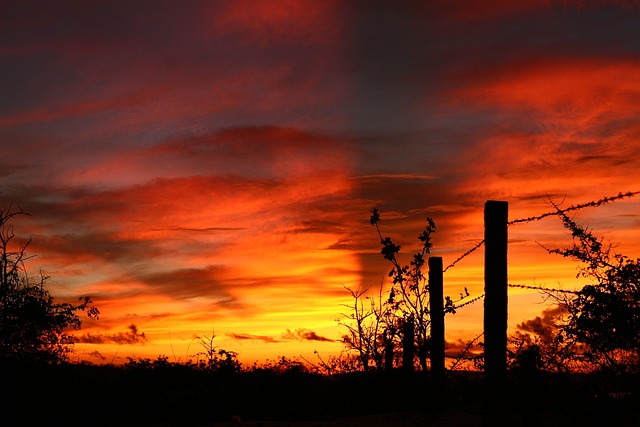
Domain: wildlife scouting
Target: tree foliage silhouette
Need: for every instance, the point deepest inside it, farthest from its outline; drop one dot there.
(215, 358)
(377, 329)
(32, 326)
(602, 325)
(369, 328)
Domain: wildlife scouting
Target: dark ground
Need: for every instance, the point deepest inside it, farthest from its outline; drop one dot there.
(175, 395)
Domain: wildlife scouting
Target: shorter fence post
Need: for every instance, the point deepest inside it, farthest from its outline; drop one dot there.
(388, 350)
(436, 311)
(408, 347)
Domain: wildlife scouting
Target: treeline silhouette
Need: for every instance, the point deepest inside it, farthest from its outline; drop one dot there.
(162, 393)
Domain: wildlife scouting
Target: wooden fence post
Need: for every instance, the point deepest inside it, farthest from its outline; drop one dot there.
(436, 311)
(495, 311)
(408, 347)
(388, 350)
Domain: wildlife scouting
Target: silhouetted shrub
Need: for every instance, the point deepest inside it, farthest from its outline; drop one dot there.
(32, 325)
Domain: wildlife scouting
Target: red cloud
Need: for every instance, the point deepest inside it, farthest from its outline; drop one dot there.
(266, 22)
(584, 89)
(553, 119)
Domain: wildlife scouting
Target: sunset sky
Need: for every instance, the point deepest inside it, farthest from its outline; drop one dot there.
(199, 166)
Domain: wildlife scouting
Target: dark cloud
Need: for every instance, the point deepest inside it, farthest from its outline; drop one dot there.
(344, 244)
(133, 336)
(95, 245)
(540, 196)
(97, 355)
(244, 337)
(317, 226)
(289, 335)
(295, 285)
(545, 326)
(304, 335)
(187, 282)
(605, 160)
(266, 152)
(200, 230)
(467, 348)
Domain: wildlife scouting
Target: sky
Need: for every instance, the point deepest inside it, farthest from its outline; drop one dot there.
(207, 168)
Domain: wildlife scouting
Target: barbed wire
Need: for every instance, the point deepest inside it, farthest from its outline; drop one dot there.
(591, 204)
(471, 301)
(594, 203)
(520, 286)
(540, 288)
(462, 356)
(464, 255)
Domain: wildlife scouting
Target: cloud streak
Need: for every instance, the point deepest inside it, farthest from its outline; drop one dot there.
(262, 338)
(130, 337)
(300, 334)
(305, 335)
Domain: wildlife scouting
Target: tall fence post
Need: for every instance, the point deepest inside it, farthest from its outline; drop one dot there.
(495, 310)
(436, 311)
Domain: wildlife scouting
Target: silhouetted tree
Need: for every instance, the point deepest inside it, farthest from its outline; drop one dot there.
(334, 364)
(543, 335)
(369, 328)
(215, 358)
(32, 325)
(409, 295)
(375, 329)
(603, 318)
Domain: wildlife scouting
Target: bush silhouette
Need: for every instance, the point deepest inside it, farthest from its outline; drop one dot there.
(32, 325)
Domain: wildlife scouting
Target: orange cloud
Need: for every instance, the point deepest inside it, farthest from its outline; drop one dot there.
(584, 89)
(186, 253)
